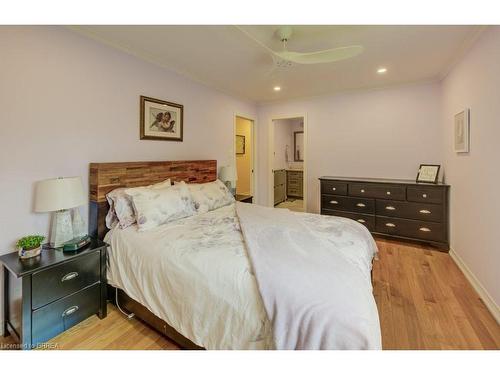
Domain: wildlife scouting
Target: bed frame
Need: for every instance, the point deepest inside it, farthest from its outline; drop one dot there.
(105, 177)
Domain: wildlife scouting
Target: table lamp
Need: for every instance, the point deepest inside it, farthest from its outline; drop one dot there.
(59, 195)
(227, 175)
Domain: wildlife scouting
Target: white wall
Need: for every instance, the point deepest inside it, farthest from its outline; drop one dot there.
(66, 101)
(377, 133)
(475, 177)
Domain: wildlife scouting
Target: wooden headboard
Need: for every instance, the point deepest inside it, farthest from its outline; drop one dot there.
(105, 177)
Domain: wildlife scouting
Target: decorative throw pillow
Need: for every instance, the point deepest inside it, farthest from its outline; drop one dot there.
(154, 207)
(210, 196)
(121, 209)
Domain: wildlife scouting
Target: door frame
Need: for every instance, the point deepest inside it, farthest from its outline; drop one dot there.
(253, 134)
(270, 156)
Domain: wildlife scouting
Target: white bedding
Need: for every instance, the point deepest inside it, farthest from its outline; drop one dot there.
(195, 274)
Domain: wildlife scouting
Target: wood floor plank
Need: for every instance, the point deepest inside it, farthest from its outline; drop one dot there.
(424, 302)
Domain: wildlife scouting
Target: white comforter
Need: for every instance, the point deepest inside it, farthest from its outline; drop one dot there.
(315, 297)
(195, 274)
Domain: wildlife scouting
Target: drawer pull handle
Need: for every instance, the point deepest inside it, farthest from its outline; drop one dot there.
(334, 202)
(361, 221)
(424, 195)
(390, 208)
(424, 212)
(69, 311)
(69, 276)
(334, 189)
(361, 205)
(424, 229)
(362, 190)
(388, 193)
(390, 225)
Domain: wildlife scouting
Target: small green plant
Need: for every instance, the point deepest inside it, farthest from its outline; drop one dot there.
(30, 242)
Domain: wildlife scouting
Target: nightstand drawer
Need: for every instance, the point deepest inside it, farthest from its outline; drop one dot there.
(58, 316)
(59, 281)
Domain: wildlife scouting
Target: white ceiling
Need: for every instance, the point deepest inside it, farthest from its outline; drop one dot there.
(225, 58)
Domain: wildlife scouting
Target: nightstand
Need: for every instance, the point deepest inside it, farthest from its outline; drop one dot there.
(46, 295)
(244, 198)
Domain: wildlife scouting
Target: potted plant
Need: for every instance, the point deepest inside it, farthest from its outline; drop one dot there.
(30, 246)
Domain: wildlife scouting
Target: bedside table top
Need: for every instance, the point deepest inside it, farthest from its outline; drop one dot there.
(48, 258)
(242, 197)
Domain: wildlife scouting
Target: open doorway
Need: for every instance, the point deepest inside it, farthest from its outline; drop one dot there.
(244, 150)
(288, 156)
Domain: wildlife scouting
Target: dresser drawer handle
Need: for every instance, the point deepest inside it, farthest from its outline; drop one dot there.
(390, 208)
(424, 212)
(334, 202)
(424, 229)
(334, 189)
(69, 276)
(424, 195)
(362, 190)
(390, 225)
(360, 204)
(69, 311)
(388, 193)
(361, 221)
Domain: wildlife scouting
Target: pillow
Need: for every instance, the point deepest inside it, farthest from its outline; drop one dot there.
(154, 207)
(121, 210)
(210, 196)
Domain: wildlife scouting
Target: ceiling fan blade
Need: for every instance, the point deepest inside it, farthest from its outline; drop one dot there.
(319, 57)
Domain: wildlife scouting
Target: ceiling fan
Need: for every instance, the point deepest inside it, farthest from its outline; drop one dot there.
(286, 58)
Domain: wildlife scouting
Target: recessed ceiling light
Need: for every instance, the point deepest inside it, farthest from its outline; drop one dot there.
(277, 88)
(381, 70)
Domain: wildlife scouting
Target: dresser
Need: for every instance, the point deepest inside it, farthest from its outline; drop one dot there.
(402, 209)
(294, 183)
(48, 294)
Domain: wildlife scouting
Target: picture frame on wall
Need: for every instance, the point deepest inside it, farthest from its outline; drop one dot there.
(428, 173)
(461, 131)
(240, 145)
(161, 120)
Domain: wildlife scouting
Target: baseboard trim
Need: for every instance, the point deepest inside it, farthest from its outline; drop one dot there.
(478, 287)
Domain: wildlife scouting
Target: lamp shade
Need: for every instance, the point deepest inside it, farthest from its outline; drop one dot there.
(227, 173)
(59, 194)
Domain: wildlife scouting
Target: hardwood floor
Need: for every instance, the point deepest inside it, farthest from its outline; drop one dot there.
(424, 302)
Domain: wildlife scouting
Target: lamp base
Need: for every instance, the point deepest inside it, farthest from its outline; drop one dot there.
(62, 228)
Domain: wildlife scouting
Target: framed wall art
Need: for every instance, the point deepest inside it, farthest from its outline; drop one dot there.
(461, 133)
(240, 145)
(161, 120)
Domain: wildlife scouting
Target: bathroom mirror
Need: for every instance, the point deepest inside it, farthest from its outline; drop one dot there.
(298, 146)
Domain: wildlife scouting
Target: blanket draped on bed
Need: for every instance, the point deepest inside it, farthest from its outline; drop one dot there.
(314, 296)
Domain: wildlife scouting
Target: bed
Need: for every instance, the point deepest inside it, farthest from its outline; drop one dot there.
(193, 279)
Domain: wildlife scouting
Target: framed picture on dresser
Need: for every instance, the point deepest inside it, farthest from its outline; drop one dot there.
(428, 173)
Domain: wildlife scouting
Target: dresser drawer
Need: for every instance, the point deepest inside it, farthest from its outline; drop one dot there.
(52, 319)
(424, 194)
(336, 202)
(410, 210)
(411, 228)
(333, 187)
(367, 220)
(396, 192)
(56, 282)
